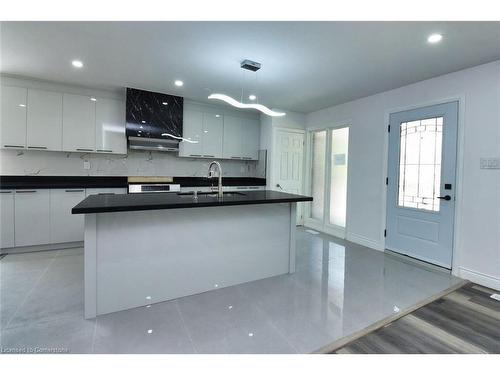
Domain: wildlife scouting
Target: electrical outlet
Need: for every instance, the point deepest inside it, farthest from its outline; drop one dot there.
(489, 163)
(86, 164)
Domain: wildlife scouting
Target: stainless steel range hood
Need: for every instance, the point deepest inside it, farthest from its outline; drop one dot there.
(153, 144)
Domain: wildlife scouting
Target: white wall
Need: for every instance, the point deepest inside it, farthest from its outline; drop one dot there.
(136, 163)
(477, 249)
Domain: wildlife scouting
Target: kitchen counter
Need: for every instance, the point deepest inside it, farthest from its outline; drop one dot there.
(151, 247)
(68, 182)
(162, 201)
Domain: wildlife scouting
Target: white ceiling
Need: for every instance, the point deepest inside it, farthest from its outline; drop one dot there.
(306, 65)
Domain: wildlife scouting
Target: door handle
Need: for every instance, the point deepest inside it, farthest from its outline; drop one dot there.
(278, 185)
(446, 198)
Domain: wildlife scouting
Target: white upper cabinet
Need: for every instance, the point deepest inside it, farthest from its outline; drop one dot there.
(192, 129)
(13, 126)
(251, 139)
(241, 138)
(110, 126)
(232, 145)
(44, 120)
(213, 129)
(79, 123)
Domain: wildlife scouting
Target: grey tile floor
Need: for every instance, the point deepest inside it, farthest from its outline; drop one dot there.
(339, 288)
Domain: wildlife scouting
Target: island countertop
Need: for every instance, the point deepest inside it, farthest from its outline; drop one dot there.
(165, 201)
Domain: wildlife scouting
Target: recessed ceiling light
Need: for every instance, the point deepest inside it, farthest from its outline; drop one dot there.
(179, 83)
(77, 63)
(434, 38)
(252, 97)
(93, 99)
(22, 105)
(217, 116)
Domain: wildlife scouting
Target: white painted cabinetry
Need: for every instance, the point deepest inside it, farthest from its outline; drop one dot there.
(213, 130)
(64, 226)
(93, 191)
(32, 217)
(13, 126)
(110, 126)
(7, 218)
(241, 138)
(79, 119)
(192, 130)
(44, 120)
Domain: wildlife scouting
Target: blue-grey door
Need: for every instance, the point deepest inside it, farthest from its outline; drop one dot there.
(421, 182)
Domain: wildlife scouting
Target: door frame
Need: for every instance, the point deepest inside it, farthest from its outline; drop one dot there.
(326, 227)
(457, 221)
(273, 164)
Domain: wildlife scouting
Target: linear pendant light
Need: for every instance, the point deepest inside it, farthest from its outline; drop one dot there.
(252, 66)
(238, 104)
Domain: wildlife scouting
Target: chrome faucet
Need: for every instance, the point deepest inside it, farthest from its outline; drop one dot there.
(220, 193)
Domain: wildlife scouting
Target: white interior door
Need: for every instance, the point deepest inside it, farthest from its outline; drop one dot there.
(421, 183)
(288, 163)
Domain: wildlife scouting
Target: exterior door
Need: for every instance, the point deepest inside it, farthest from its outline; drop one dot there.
(421, 183)
(288, 163)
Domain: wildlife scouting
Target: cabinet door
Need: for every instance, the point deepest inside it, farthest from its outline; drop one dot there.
(13, 117)
(64, 226)
(78, 123)
(44, 120)
(110, 126)
(7, 218)
(213, 128)
(250, 139)
(32, 217)
(232, 145)
(192, 130)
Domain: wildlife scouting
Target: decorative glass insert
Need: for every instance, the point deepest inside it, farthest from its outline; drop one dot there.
(338, 185)
(420, 163)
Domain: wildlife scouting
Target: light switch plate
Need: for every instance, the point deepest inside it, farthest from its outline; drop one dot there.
(86, 164)
(489, 163)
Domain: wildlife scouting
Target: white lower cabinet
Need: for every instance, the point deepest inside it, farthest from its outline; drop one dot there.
(64, 226)
(93, 191)
(32, 217)
(7, 218)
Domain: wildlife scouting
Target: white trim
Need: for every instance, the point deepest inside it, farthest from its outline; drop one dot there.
(460, 98)
(365, 241)
(479, 278)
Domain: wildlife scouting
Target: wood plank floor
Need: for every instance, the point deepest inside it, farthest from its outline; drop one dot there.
(464, 321)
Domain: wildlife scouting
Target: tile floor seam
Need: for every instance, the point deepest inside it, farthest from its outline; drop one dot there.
(184, 325)
(29, 293)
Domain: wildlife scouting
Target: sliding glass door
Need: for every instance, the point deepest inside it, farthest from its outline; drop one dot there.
(328, 157)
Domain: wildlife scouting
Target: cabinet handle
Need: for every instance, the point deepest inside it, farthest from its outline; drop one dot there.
(25, 191)
(73, 190)
(84, 149)
(104, 151)
(235, 157)
(247, 158)
(5, 191)
(38, 147)
(209, 156)
(194, 155)
(12, 146)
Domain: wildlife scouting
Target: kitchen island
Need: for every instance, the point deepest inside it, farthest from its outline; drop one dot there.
(152, 247)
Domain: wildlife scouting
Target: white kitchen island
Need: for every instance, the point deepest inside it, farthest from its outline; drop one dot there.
(147, 248)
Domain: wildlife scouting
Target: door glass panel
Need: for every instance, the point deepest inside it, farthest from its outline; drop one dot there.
(318, 174)
(338, 186)
(420, 163)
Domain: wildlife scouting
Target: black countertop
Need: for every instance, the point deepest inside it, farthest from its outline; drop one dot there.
(165, 201)
(62, 182)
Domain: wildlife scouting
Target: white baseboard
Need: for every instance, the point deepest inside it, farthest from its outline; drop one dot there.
(365, 241)
(479, 278)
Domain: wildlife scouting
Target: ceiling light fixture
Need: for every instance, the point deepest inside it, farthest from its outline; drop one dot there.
(93, 99)
(179, 83)
(238, 104)
(253, 67)
(188, 140)
(77, 63)
(434, 38)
